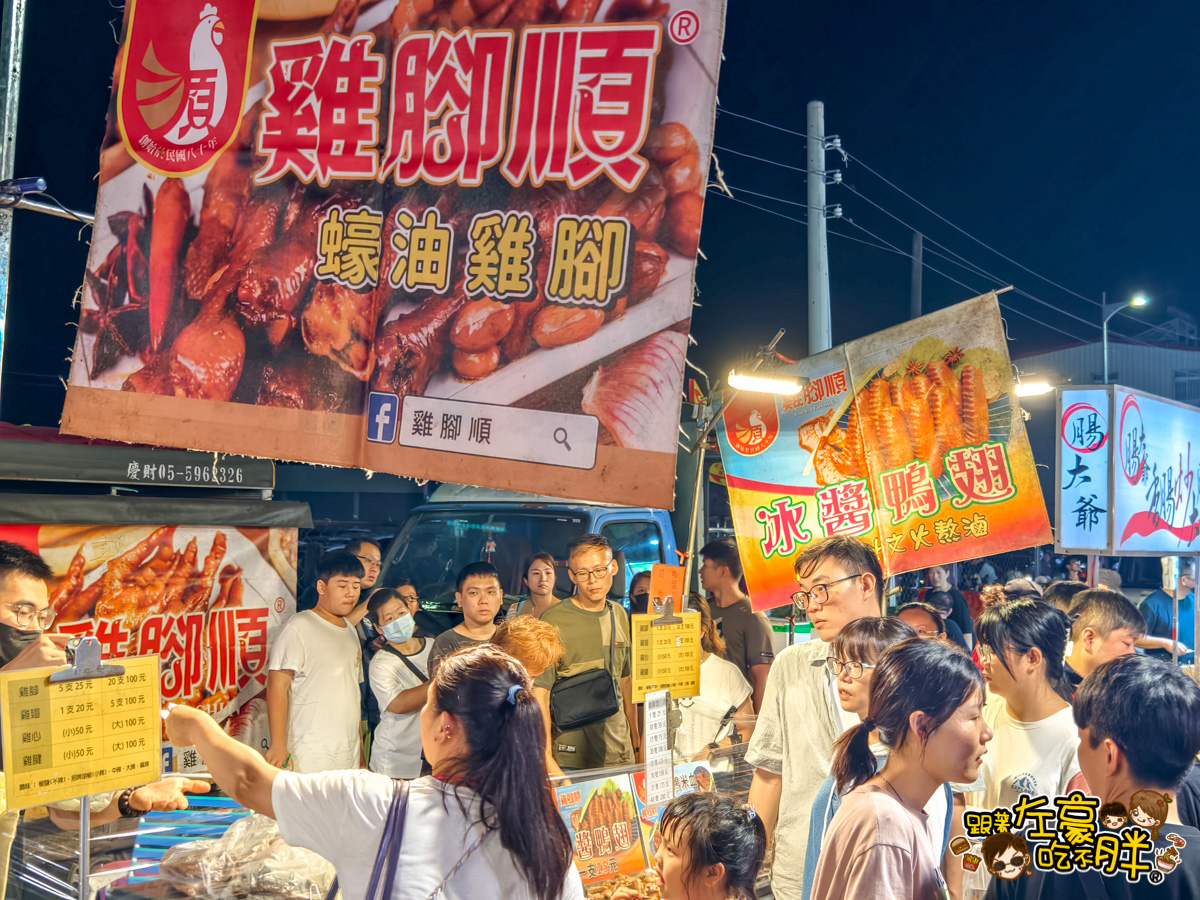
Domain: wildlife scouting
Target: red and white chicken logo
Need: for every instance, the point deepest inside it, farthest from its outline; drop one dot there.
(206, 82)
(751, 423)
(183, 80)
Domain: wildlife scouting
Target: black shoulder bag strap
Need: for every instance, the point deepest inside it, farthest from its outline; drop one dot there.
(404, 659)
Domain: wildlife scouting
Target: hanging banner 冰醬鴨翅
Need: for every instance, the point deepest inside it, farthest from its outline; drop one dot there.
(206, 601)
(457, 245)
(910, 439)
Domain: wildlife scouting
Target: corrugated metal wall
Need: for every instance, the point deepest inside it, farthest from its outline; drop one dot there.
(1156, 370)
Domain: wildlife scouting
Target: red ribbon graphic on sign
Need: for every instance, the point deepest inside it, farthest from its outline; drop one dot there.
(1146, 523)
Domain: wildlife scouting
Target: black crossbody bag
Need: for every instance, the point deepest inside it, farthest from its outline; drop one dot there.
(588, 697)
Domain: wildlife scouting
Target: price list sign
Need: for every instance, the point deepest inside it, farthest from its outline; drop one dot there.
(660, 785)
(72, 738)
(666, 656)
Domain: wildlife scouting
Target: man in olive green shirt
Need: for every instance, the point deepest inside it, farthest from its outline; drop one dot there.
(586, 624)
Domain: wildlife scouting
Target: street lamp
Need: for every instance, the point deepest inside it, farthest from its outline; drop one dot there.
(1108, 310)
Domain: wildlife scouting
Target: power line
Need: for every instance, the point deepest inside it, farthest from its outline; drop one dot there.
(983, 271)
(970, 266)
(760, 159)
(773, 212)
(962, 284)
(933, 212)
(886, 247)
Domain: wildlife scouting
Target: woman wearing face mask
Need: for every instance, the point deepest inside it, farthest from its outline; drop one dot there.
(399, 674)
(639, 593)
(925, 702)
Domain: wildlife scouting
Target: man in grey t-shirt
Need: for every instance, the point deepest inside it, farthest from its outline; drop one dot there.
(839, 580)
(747, 634)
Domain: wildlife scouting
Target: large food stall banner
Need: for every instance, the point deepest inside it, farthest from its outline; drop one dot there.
(452, 241)
(206, 601)
(910, 439)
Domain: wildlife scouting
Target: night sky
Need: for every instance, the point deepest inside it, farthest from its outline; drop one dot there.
(1062, 134)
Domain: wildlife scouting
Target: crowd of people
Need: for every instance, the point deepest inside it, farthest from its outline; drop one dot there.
(875, 742)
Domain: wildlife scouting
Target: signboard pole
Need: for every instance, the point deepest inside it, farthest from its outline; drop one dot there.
(12, 52)
(87, 665)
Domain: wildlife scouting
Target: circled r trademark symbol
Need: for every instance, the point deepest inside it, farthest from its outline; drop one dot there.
(684, 27)
(278, 604)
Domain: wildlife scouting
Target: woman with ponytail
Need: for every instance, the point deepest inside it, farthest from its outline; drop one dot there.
(484, 824)
(925, 703)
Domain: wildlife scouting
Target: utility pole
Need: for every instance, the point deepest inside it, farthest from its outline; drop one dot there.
(1104, 337)
(918, 253)
(819, 335)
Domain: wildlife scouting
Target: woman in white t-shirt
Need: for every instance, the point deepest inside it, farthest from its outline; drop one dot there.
(1022, 645)
(399, 675)
(1021, 648)
(724, 699)
(926, 703)
(483, 825)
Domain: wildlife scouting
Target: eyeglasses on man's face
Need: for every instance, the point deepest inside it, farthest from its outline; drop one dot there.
(25, 615)
(852, 667)
(369, 562)
(819, 594)
(591, 574)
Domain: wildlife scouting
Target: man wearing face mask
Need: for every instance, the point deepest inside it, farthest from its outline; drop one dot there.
(399, 674)
(25, 614)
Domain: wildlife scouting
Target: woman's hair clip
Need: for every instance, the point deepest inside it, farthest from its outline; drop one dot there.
(751, 813)
(512, 693)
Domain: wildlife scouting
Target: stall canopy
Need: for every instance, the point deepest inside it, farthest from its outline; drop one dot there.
(29, 453)
(53, 509)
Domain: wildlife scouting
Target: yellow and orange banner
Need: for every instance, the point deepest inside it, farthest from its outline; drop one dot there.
(911, 439)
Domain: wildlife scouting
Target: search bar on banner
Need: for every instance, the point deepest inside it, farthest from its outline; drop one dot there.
(500, 432)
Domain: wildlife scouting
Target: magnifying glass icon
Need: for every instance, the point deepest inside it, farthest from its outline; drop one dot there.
(560, 437)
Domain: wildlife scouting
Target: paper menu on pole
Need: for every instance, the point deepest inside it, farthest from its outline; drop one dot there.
(666, 656)
(660, 785)
(73, 738)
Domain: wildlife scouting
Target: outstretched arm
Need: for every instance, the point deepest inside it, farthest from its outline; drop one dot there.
(239, 770)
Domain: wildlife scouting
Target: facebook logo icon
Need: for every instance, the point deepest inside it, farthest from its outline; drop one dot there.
(383, 414)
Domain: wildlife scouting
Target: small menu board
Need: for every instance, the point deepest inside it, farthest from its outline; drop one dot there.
(72, 738)
(666, 656)
(602, 817)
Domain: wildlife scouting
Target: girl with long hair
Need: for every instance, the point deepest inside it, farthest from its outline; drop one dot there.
(711, 848)
(725, 698)
(925, 703)
(483, 825)
(1021, 647)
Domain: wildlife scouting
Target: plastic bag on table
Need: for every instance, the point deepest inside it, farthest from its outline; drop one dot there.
(250, 858)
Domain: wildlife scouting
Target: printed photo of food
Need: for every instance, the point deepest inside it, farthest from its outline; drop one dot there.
(918, 407)
(606, 806)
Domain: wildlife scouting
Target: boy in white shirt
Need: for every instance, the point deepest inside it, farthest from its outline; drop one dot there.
(313, 704)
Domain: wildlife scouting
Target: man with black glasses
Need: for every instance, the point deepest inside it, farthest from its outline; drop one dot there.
(839, 580)
(595, 633)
